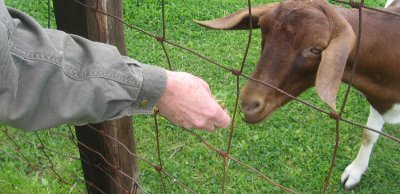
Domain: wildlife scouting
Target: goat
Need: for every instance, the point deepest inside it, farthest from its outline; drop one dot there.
(309, 43)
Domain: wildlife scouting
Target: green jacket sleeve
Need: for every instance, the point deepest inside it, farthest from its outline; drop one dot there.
(48, 77)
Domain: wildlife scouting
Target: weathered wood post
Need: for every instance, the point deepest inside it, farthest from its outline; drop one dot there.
(76, 19)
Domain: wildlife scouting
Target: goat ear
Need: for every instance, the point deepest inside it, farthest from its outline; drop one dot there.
(334, 57)
(240, 19)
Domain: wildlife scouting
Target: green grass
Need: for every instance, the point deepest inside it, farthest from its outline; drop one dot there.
(293, 147)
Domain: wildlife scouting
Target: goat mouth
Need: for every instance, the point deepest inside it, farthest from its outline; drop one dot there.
(253, 119)
(259, 116)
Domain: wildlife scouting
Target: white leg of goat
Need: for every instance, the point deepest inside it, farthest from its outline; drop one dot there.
(388, 3)
(352, 175)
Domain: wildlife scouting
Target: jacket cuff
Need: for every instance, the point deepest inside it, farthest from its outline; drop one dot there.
(154, 83)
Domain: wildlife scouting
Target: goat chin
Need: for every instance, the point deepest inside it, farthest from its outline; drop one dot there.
(262, 115)
(255, 118)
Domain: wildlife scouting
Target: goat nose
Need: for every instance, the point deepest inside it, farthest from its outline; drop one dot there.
(251, 106)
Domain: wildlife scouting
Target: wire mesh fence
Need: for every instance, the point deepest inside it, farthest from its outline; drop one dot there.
(37, 150)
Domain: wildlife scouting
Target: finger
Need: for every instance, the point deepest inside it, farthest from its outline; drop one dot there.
(210, 127)
(222, 119)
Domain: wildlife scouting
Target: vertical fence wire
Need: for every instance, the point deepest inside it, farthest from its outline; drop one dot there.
(160, 167)
(346, 96)
(237, 75)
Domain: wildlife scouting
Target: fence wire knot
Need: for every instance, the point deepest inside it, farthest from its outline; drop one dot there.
(115, 167)
(160, 39)
(93, 9)
(334, 115)
(103, 132)
(223, 153)
(236, 72)
(156, 110)
(158, 168)
(356, 4)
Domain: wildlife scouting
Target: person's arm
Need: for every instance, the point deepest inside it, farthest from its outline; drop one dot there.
(49, 78)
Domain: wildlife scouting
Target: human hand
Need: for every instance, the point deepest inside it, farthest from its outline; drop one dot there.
(189, 103)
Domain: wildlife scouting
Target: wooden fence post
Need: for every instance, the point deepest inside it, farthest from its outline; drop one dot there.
(75, 19)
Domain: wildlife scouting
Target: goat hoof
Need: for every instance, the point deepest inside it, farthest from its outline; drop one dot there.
(348, 188)
(347, 185)
(351, 177)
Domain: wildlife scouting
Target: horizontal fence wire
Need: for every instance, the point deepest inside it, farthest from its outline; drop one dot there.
(13, 141)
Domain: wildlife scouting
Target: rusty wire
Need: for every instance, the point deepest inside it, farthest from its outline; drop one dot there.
(18, 148)
(346, 96)
(250, 35)
(160, 167)
(224, 154)
(41, 147)
(357, 5)
(155, 167)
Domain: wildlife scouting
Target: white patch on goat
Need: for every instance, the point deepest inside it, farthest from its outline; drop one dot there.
(356, 169)
(352, 174)
(388, 3)
(393, 115)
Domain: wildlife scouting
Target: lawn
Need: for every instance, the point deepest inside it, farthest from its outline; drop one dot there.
(293, 147)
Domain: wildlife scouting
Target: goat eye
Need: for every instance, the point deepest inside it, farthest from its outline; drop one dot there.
(316, 51)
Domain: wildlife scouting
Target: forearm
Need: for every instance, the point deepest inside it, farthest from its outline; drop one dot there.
(54, 78)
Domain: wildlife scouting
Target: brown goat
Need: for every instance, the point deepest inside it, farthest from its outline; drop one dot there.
(309, 43)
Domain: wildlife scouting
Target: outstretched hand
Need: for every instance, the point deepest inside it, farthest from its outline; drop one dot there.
(189, 103)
